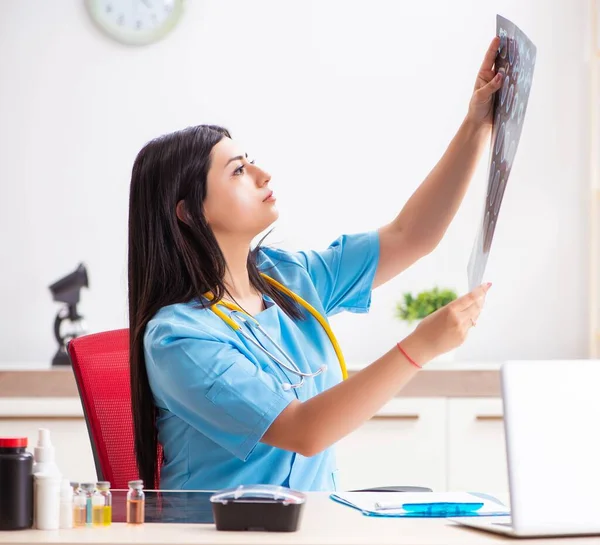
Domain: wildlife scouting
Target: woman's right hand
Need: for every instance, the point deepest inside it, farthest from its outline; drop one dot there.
(308, 427)
(447, 327)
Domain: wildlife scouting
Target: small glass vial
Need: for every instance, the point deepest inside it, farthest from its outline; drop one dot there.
(88, 489)
(97, 509)
(104, 489)
(135, 502)
(79, 508)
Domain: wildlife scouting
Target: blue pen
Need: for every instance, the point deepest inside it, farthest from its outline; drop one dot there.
(436, 509)
(442, 509)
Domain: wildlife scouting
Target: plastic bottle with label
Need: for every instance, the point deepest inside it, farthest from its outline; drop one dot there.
(16, 484)
(47, 501)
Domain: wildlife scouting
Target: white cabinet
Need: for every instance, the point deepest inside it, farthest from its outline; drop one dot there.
(22, 417)
(441, 443)
(70, 439)
(476, 450)
(404, 444)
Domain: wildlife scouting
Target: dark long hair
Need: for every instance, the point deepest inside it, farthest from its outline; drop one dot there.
(171, 261)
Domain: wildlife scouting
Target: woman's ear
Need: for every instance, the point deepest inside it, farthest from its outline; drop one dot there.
(181, 212)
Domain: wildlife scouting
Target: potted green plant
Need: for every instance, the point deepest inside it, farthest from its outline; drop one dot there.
(412, 309)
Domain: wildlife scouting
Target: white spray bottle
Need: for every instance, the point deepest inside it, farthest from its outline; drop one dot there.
(43, 462)
(43, 455)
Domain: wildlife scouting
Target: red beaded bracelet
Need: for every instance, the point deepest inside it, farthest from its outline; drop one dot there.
(408, 357)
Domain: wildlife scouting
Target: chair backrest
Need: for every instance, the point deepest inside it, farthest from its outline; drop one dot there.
(101, 366)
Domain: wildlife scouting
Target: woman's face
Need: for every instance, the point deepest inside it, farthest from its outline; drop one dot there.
(238, 198)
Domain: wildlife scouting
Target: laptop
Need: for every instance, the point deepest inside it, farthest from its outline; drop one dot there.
(552, 428)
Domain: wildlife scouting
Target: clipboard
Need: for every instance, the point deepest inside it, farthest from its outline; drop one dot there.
(422, 504)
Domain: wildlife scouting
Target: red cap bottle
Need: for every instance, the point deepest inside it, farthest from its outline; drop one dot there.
(16, 483)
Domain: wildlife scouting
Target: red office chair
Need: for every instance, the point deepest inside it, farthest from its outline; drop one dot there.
(101, 366)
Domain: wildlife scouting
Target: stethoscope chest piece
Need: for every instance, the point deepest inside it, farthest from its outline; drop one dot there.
(254, 326)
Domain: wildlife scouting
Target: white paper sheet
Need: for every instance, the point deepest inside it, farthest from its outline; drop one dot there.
(383, 503)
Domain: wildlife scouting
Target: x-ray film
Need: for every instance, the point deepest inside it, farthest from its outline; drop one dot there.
(516, 61)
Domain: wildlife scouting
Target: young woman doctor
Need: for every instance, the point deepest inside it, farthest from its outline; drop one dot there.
(233, 367)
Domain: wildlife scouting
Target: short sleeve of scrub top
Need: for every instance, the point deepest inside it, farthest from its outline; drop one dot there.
(217, 394)
(342, 274)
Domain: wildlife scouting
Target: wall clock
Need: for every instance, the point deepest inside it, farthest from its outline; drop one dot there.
(135, 22)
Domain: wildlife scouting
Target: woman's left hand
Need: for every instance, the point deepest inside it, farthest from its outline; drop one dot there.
(481, 107)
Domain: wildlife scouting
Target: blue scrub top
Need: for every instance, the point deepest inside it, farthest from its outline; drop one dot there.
(217, 394)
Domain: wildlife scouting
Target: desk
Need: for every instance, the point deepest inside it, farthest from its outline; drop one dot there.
(324, 522)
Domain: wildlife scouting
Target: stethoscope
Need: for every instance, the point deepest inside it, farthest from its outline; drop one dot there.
(238, 318)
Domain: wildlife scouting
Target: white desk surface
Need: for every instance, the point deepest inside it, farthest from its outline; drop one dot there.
(324, 522)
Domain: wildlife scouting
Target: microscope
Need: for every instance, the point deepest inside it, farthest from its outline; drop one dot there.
(66, 290)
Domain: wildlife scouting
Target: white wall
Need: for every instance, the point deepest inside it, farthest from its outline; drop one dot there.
(348, 105)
